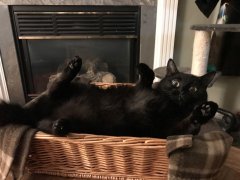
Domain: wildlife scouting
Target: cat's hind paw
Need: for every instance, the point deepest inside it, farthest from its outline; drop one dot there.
(60, 127)
(70, 71)
(204, 112)
(145, 71)
(75, 64)
(146, 75)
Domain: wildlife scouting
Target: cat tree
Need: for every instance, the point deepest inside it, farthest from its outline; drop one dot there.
(202, 41)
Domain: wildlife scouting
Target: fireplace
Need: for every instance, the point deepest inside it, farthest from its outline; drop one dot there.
(46, 36)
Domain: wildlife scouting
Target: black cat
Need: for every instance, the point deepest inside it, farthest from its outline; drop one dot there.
(176, 105)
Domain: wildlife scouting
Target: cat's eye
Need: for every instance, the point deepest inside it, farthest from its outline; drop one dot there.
(175, 83)
(193, 89)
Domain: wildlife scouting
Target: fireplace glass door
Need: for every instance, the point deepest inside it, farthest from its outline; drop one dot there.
(46, 56)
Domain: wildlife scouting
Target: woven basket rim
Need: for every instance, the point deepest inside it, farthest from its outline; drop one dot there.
(120, 141)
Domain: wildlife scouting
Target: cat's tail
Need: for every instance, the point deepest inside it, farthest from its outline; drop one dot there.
(13, 114)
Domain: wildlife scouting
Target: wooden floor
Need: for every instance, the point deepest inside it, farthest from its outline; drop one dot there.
(233, 160)
(231, 169)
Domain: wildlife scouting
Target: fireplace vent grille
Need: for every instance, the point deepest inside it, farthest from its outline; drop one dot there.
(76, 23)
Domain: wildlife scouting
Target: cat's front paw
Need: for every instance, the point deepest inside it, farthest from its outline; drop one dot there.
(204, 112)
(60, 127)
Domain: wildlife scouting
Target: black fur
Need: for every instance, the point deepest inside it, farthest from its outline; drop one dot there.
(176, 105)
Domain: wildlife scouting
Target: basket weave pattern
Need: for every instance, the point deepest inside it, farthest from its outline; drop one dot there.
(98, 157)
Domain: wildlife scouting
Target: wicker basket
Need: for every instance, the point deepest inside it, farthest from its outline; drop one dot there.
(98, 157)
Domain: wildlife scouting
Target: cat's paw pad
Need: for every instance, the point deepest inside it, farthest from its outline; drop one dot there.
(60, 127)
(205, 109)
(75, 63)
(205, 112)
(208, 109)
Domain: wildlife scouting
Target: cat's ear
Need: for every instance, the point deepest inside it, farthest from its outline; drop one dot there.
(208, 79)
(171, 68)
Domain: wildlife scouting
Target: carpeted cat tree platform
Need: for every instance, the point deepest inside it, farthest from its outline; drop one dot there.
(201, 48)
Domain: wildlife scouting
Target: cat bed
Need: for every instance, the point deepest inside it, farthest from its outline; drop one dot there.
(197, 157)
(89, 156)
(109, 157)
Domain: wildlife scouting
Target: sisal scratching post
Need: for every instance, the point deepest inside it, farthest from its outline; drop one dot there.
(201, 47)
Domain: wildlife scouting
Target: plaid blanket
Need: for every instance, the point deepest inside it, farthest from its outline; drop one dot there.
(197, 157)
(14, 145)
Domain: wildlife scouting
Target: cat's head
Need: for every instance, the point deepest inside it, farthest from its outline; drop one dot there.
(184, 88)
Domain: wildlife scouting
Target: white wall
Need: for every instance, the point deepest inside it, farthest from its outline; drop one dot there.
(188, 15)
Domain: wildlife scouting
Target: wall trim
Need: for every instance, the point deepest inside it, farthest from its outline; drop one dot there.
(165, 32)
